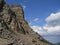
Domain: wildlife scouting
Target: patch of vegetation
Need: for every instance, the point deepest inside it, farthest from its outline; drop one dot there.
(10, 44)
(12, 31)
(34, 41)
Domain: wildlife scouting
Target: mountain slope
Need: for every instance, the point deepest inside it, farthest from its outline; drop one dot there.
(14, 29)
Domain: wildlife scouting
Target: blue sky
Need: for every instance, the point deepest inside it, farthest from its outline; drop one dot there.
(42, 16)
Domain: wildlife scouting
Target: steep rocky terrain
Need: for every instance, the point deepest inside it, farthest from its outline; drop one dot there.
(14, 29)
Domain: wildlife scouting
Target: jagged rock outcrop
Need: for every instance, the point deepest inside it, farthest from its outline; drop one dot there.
(14, 29)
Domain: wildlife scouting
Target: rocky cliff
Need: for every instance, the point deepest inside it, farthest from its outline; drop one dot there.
(14, 29)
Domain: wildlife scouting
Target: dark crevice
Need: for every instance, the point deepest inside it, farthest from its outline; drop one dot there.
(1, 30)
(4, 24)
(12, 15)
(10, 44)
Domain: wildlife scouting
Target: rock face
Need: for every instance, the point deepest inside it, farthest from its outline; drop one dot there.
(14, 29)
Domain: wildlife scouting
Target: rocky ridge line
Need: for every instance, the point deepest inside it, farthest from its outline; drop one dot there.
(14, 29)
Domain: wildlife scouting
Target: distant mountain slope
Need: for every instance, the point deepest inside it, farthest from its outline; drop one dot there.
(57, 44)
(14, 29)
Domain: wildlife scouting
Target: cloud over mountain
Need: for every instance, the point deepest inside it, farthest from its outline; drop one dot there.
(51, 27)
(53, 19)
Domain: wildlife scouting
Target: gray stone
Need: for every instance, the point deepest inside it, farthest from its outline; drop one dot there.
(15, 29)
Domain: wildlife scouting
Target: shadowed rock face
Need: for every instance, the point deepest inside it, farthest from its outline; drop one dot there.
(1, 4)
(14, 29)
(1, 1)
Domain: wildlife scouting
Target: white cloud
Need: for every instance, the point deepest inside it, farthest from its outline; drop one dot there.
(53, 16)
(24, 6)
(36, 19)
(51, 27)
(53, 23)
(39, 30)
(53, 19)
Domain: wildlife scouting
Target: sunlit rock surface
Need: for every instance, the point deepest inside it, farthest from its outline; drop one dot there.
(14, 29)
